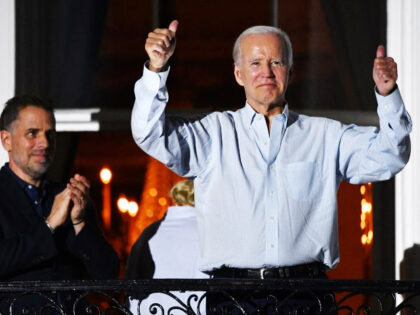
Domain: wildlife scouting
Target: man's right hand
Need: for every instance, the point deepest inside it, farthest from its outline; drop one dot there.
(60, 209)
(160, 46)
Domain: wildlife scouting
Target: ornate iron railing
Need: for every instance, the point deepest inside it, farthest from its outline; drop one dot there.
(112, 296)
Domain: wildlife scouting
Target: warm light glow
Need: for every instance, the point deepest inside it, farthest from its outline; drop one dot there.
(157, 182)
(106, 206)
(162, 201)
(367, 207)
(366, 216)
(106, 175)
(364, 239)
(149, 213)
(133, 208)
(122, 204)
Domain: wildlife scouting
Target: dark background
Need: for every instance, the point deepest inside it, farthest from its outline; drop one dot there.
(89, 53)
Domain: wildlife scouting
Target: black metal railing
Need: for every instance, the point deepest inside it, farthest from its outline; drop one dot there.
(112, 296)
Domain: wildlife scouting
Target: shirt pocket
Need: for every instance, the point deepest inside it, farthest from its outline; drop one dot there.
(303, 181)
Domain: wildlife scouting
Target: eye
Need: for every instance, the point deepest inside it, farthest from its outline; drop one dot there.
(32, 133)
(279, 63)
(255, 63)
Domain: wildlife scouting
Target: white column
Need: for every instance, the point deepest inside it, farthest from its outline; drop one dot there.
(7, 58)
(403, 37)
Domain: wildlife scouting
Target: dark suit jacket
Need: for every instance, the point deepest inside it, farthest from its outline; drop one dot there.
(140, 264)
(28, 250)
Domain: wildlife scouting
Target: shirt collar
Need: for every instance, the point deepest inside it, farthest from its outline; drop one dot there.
(249, 114)
(24, 185)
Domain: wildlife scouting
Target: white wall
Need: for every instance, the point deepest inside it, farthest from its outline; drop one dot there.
(404, 45)
(7, 57)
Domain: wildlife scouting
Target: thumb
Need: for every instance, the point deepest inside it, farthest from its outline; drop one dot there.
(173, 26)
(380, 52)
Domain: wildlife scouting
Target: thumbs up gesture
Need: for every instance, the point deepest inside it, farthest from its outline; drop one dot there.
(384, 72)
(160, 46)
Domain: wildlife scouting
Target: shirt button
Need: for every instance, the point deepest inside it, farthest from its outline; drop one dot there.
(271, 218)
(271, 192)
(29, 186)
(387, 106)
(272, 245)
(36, 202)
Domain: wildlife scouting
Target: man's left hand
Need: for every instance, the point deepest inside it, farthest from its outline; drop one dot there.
(384, 72)
(79, 186)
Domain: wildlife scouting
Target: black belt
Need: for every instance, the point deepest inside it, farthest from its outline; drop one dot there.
(312, 270)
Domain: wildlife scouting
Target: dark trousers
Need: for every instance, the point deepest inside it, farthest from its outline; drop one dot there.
(276, 302)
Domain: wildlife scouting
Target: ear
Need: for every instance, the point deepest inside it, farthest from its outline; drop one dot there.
(6, 140)
(238, 77)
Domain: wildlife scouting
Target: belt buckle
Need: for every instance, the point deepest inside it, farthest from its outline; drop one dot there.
(262, 271)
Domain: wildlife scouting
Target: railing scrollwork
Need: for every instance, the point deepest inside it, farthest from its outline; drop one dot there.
(112, 296)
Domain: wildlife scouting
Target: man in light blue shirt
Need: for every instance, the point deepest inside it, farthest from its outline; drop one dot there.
(266, 177)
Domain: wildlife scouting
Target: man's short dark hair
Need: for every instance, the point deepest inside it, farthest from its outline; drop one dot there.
(13, 107)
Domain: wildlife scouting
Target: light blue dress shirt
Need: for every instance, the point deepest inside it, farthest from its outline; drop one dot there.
(268, 199)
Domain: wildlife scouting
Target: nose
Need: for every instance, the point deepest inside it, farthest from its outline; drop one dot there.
(267, 70)
(43, 141)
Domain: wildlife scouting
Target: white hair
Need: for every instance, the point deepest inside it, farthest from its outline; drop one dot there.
(263, 29)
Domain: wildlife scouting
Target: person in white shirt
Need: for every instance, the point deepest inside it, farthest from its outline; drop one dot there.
(167, 249)
(266, 178)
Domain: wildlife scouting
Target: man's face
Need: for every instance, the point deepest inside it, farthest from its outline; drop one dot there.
(30, 143)
(262, 71)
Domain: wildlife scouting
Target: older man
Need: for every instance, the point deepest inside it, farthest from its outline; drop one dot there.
(266, 177)
(47, 231)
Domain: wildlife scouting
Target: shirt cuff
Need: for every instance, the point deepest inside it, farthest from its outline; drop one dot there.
(155, 80)
(391, 103)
